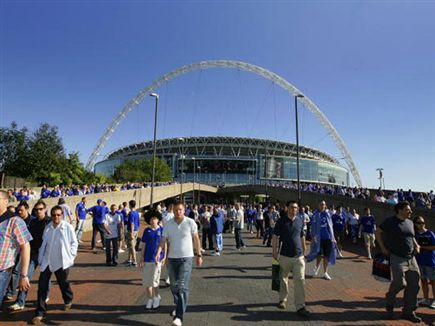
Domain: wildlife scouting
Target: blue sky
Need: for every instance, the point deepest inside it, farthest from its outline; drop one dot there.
(368, 65)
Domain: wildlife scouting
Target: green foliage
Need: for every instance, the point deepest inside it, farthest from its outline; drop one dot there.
(40, 157)
(141, 171)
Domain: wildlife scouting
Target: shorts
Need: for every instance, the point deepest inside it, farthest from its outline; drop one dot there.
(369, 239)
(131, 242)
(151, 275)
(427, 272)
(325, 248)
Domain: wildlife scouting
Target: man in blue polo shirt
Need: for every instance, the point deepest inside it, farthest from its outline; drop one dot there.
(98, 212)
(289, 231)
(81, 217)
(368, 227)
(132, 230)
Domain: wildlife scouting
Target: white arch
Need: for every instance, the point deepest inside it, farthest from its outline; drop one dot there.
(235, 65)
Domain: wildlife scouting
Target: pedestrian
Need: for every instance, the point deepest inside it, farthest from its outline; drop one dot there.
(36, 229)
(216, 228)
(206, 231)
(251, 214)
(56, 255)
(98, 212)
(182, 235)
(112, 226)
(259, 221)
(323, 241)
(288, 232)
(239, 218)
(14, 239)
(132, 230)
(396, 239)
(23, 213)
(368, 228)
(353, 225)
(81, 218)
(426, 260)
(67, 213)
(151, 268)
(339, 225)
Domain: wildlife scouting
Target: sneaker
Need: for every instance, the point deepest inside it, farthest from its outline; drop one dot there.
(423, 302)
(156, 302)
(327, 277)
(412, 318)
(16, 307)
(282, 305)
(202, 251)
(134, 264)
(315, 271)
(128, 262)
(67, 306)
(215, 253)
(114, 263)
(432, 305)
(37, 320)
(167, 282)
(303, 312)
(9, 297)
(149, 304)
(121, 251)
(173, 313)
(98, 241)
(80, 241)
(340, 255)
(177, 322)
(46, 300)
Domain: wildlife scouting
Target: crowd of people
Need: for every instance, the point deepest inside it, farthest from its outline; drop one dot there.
(32, 238)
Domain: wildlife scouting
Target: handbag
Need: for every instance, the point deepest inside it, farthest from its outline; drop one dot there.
(381, 269)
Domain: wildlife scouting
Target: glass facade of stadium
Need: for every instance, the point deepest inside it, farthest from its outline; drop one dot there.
(233, 160)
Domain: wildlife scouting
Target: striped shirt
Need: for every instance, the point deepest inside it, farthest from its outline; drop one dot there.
(13, 234)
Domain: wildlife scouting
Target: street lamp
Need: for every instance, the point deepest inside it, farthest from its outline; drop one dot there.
(182, 156)
(199, 185)
(193, 185)
(153, 175)
(297, 148)
(381, 177)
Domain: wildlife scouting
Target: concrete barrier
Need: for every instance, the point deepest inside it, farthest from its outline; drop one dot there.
(142, 197)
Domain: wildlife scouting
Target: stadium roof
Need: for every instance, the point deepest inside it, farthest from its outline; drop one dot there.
(220, 146)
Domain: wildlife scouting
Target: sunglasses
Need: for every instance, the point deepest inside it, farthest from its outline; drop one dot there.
(419, 222)
(40, 208)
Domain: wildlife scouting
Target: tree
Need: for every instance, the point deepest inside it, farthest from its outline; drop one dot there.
(141, 171)
(14, 148)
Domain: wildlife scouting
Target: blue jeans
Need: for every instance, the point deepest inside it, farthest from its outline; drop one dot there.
(179, 270)
(5, 277)
(33, 264)
(15, 278)
(79, 229)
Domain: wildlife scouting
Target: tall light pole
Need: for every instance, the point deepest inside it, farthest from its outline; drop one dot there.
(297, 148)
(199, 185)
(381, 177)
(153, 175)
(194, 175)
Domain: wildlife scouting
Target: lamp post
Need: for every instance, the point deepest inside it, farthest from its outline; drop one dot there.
(199, 186)
(193, 184)
(153, 175)
(381, 177)
(182, 156)
(297, 148)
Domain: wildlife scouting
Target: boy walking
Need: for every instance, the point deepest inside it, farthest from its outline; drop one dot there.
(152, 268)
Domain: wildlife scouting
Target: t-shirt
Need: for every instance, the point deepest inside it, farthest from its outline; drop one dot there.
(151, 237)
(290, 233)
(112, 221)
(398, 236)
(325, 233)
(66, 210)
(133, 217)
(179, 237)
(98, 213)
(81, 210)
(166, 217)
(338, 222)
(124, 214)
(426, 257)
(368, 223)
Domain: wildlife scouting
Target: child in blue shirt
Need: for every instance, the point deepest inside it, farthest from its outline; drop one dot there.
(152, 269)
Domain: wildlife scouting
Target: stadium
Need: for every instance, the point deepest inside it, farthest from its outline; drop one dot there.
(232, 160)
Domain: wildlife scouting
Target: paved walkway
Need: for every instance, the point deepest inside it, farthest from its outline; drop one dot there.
(233, 289)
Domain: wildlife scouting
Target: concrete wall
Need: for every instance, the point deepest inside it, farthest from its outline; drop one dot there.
(142, 197)
(379, 210)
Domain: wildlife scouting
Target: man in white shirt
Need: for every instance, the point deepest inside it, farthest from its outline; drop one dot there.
(239, 220)
(181, 235)
(112, 225)
(56, 255)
